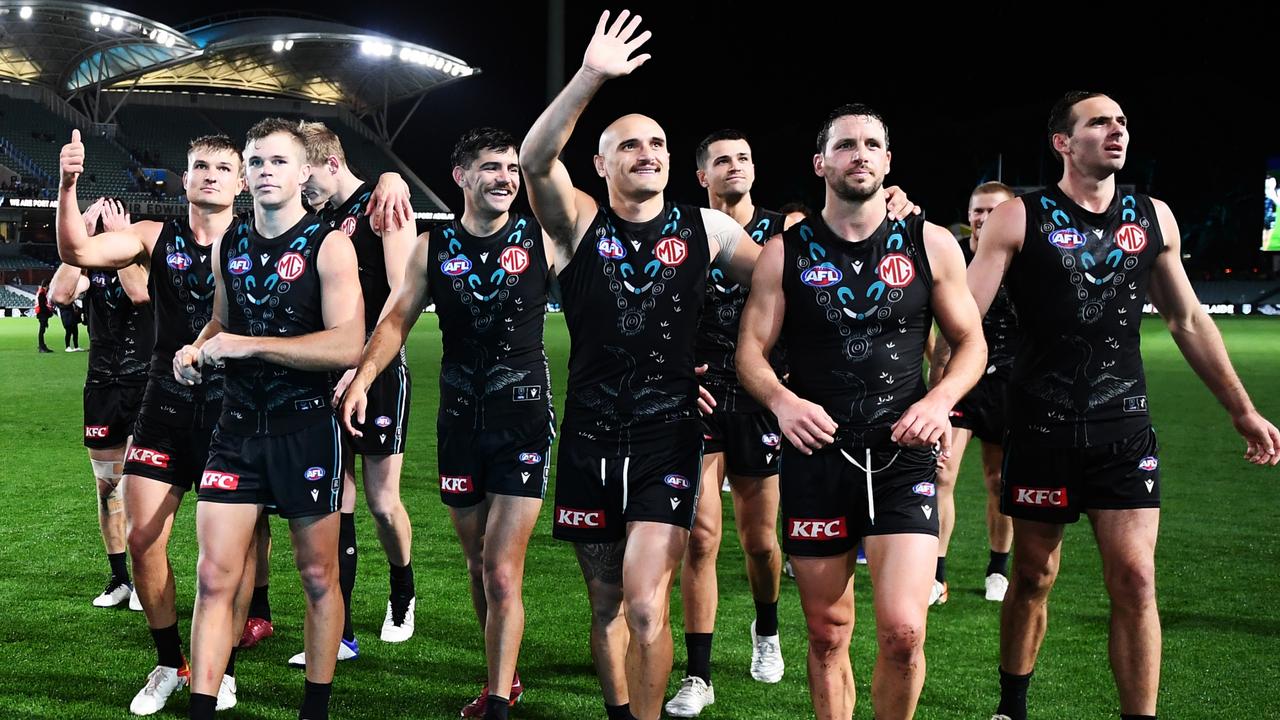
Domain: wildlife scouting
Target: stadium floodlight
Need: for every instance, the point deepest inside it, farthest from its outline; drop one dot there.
(96, 20)
(117, 23)
(25, 12)
(376, 48)
(278, 46)
(288, 44)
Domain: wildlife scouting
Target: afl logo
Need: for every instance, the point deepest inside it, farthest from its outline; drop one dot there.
(924, 488)
(178, 261)
(770, 439)
(611, 249)
(314, 473)
(1068, 239)
(1131, 238)
(1148, 463)
(821, 276)
(239, 265)
(896, 270)
(455, 266)
(514, 260)
(382, 421)
(679, 482)
(671, 251)
(349, 225)
(530, 458)
(290, 266)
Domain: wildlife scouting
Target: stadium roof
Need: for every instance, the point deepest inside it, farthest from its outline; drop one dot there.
(61, 45)
(74, 48)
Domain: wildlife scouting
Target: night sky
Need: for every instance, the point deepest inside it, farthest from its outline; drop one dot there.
(963, 95)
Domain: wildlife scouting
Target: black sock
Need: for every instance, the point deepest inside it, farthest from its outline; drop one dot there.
(998, 564)
(401, 581)
(1128, 716)
(766, 618)
(698, 646)
(119, 568)
(260, 605)
(940, 573)
(496, 708)
(1013, 695)
(168, 646)
(347, 568)
(231, 661)
(202, 706)
(618, 712)
(315, 701)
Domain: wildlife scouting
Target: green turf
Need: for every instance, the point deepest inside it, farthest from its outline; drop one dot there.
(1218, 558)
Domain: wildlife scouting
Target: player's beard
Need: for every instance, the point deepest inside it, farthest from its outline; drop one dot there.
(854, 193)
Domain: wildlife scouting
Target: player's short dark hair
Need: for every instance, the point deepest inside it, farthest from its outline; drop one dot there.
(704, 147)
(849, 109)
(476, 140)
(1062, 118)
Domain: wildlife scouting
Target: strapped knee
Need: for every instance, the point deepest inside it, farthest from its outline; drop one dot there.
(106, 472)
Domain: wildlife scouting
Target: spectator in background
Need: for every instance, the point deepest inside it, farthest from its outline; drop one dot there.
(44, 311)
(70, 314)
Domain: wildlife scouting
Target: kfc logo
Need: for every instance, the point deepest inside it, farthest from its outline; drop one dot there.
(1040, 497)
(817, 529)
(214, 480)
(569, 517)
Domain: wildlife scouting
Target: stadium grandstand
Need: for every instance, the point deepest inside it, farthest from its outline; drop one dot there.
(139, 90)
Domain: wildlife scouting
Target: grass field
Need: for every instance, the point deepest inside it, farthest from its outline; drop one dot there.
(1218, 562)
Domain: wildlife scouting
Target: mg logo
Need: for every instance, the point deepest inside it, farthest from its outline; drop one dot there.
(671, 251)
(896, 270)
(290, 266)
(1131, 238)
(514, 260)
(349, 225)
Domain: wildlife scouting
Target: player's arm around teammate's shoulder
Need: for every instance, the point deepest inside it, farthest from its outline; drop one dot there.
(1201, 344)
(393, 328)
(397, 244)
(925, 422)
(1002, 237)
(389, 206)
(731, 247)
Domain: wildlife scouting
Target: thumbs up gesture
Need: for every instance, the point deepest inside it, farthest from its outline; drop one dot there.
(71, 161)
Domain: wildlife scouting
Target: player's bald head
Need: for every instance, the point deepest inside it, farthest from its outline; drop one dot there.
(629, 127)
